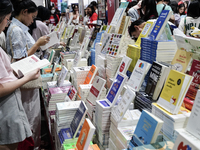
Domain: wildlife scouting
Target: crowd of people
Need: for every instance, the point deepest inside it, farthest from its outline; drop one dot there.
(27, 26)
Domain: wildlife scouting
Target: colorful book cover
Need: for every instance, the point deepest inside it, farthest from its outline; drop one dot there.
(195, 72)
(160, 24)
(181, 60)
(96, 89)
(91, 74)
(72, 93)
(121, 28)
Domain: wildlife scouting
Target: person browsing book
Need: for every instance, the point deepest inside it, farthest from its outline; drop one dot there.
(20, 44)
(14, 125)
(92, 15)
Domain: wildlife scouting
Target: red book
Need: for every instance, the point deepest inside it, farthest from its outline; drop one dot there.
(188, 103)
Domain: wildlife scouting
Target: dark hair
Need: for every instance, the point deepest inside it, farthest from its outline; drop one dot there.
(5, 9)
(20, 5)
(192, 10)
(92, 8)
(168, 1)
(133, 24)
(150, 12)
(54, 15)
(73, 7)
(131, 4)
(43, 13)
(94, 4)
(180, 6)
(174, 5)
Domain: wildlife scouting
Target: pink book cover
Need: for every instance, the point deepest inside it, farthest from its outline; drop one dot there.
(65, 89)
(55, 90)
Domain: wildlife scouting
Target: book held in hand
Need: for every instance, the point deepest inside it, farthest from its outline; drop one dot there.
(53, 40)
(29, 64)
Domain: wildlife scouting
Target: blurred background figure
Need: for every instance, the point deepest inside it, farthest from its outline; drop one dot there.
(54, 18)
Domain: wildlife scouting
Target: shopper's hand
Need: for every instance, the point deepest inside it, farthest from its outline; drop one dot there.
(62, 44)
(33, 75)
(43, 40)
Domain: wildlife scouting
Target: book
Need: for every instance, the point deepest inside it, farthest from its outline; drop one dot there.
(86, 135)
(186, 141)
(52, 41)
(157, 77)
(119, 111)
(96, 89)
(147, 130)
(91, 74)
(160, 24)
(51, 56)
(124, 65)
(121, 28)
(29, 64)
(127, 23)
(72, 93)
(193, 122)
(174, 91)
(195, 72)
(139, 72)
(115, 89)
(62, 76)
(181, 60)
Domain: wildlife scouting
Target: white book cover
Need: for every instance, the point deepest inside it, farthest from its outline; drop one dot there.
(193, 122)
(138, 74)
(66, 106)
(29, 64)
(53, 40)
(186, 141)
(96, 89)
(119, 111)
(124, 65)
(62, 76)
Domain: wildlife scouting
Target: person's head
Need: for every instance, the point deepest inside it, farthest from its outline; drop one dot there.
(192, 10)
(181, 9)
(130, 5)
(43, 13)
(53, 10)
(167, 2)
(174, 6)
(136, 28)
(25, 11)
(95, 5)
(75, 8)
(90, 10)
(6, 9)
(148, 10)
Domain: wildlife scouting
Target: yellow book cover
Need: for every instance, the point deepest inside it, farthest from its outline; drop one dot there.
(181, 60)
(64, 33)
(122, 25)
(145, 32)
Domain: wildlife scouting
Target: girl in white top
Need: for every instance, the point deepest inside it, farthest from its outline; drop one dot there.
(192, 19)
(14, 125)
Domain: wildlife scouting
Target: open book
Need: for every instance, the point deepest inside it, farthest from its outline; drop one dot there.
(28, 65)
(53, 40)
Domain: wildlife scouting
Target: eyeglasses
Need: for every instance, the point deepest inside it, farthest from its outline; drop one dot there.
(8, 21)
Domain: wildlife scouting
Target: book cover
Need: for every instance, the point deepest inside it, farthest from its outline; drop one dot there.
(52, 41)
(193, 122)
(116, 88)
(147, 128)
(72, 93)
(29, 64)
(138, 74)
(195, 72)
(181, 60)
(62, 76)
(121, 28)
(91, 74)
(66, 133)
(160, 24)
(105, 42)
(51, 56)
(96, 89)
(86, 135)
(119, 111)
(78, 118)
(174, 91)
(124, 65)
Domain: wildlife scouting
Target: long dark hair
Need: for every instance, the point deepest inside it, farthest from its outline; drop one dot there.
(150, 11)
(92, 8)
(54, 15)
(179, 6)
(20, 5)
(193, 10)
(6, 8)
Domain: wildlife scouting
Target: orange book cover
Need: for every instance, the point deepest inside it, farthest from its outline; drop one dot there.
(83, 135)
(90, 75)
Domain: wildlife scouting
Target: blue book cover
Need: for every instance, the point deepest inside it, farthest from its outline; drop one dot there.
(160, 24)
(111, 96)
(145, 128)
(66, 133)
(48, 75)
(61, 139)
(104, 103)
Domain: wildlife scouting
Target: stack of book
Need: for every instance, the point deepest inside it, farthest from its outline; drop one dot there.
(46, 78)
(79, 75)
(53, 84)
(65, 112)
(171, 122)
(67, 55)
(84, 91)
(102, 121)
(56, 95)
(68, 63)
(152, 50)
